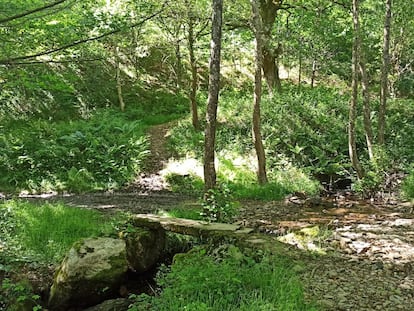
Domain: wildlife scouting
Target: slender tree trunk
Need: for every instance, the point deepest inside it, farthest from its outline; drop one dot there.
(194, 76)
(354, 99)
(313, 77)
(213, 94)
(257, 136)
(384, 73)
(369, 136)
(118, 80)
(178, 65)
(300, 66)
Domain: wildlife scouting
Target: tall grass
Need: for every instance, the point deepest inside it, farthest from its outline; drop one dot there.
(44, 233)
(231, 282)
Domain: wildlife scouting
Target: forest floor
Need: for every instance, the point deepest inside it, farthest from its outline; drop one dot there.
(363, 255)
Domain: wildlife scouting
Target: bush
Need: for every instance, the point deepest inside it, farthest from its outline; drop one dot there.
(219, 205)
(408, 186)
(102, 152)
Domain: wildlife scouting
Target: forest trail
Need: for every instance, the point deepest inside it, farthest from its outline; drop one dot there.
(150, 179)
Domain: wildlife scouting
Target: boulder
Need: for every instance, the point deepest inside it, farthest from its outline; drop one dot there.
(144, 248)
(92, 270)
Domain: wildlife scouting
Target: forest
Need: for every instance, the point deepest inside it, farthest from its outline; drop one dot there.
(275, 135)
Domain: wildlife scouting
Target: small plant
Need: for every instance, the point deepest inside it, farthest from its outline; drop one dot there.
(218, 204)
(18, 296)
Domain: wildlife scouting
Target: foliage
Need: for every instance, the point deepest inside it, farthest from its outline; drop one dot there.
(408, 185)
(102, 152)
(18, 296)
(188, 212)
(230, 281)
(44, 233)
(219, 204)
(189, 184)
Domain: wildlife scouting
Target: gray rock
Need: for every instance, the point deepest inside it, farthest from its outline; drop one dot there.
(144, 248)
(92, 270)
(120, 304)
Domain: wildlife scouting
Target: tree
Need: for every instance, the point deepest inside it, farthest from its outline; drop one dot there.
(354, 99)
(384, 73)
(213, 94)
(270, 52)
(257, 137)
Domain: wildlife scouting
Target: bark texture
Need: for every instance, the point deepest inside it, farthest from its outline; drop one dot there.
(268, 11)
(213, 94)
(369, 136)
(194, 77)
(354, 99)
(384, 73)
(257, 136)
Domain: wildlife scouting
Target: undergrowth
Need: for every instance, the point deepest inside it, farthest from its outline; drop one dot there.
(44, 233)
(231, 280)
(103, 150)
(305, 140)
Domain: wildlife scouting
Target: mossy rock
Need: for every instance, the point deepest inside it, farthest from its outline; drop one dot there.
(144, 248)
(92, 270)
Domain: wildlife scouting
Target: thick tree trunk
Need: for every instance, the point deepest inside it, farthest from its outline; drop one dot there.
(354, 99)
(270, 54)
(384, 73)
(194, 77)
(213, 93)
(257, 136)
(369, 136)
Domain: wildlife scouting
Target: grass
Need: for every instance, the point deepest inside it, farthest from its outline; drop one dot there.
(192, 212)
(44, 233)
(230, 281)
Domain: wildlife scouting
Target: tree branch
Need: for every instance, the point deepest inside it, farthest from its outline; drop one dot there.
(9, 61)
(17, 16)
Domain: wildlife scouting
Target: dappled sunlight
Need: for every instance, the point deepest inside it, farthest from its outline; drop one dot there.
(186, 166)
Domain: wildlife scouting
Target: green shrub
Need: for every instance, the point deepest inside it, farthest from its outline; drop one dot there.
(102, 152)
(219, 204)
(15, 296)
(408, 186)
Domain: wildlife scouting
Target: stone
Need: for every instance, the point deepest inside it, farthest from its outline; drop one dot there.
(144, 248)
(120, 304)
(92, 270)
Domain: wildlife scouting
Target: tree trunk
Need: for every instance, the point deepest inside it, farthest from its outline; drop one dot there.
(178, 65)
(369, 136)
(213, 93)
(268, 13)
(257, 137)
(118, 80)
(313, 77)
(354, 99)
(194, 77)
(384, 73)
(300, 66)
